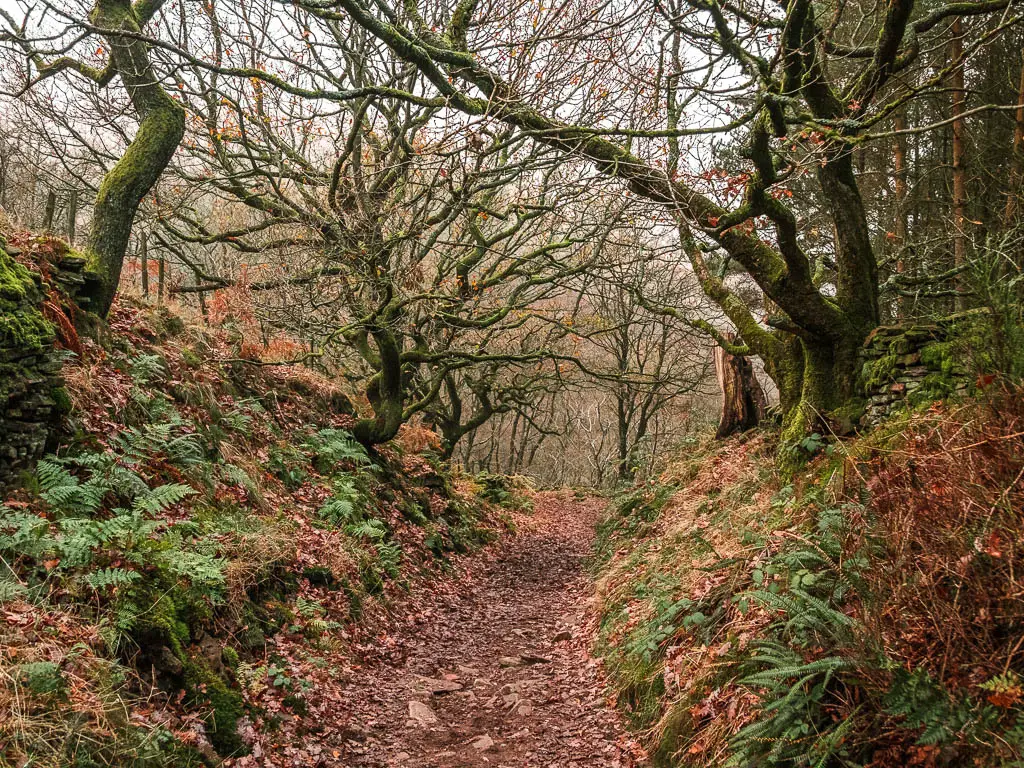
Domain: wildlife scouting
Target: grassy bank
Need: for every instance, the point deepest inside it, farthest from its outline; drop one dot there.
(865, 613)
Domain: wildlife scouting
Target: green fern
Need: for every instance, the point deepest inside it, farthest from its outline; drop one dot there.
(92, 538)
(160, 498)
(65, 493)
(338, 511)
(11, 590)
(240, 418)
(331, 447)
(806, 586)
(372, 529)
(24, 535)
(927, 706)
(345, 506)
(145, 369)
(166, 438)
(308, 608)
(106, 578)
(81, 538)
(202, 570)
(794, 728)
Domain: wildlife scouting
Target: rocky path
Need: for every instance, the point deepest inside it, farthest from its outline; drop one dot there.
(492, 669)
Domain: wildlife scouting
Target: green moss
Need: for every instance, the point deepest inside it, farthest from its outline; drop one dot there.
(190, 358)
(160, 619)
(230, 658)
(21, 322)
(61, 400)
(879, 372)
(168, 324)
(202, 684)
(166, 622)
(934, 386)
(412, 511)
(940, 356)
(796, 425)
(848, 415)
(278, 614)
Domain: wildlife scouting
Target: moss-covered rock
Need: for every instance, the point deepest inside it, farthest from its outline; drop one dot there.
(910, 366)
(205, 687)
(167, 624)
(22, 325)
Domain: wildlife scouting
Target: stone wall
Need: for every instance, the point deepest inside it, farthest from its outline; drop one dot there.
(909, 365)
(32, 398)
(29, 369)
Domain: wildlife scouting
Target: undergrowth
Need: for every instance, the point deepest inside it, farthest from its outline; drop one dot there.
(187, 567)
(867, 613)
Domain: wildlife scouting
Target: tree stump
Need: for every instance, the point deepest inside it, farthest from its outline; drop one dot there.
(743, 400)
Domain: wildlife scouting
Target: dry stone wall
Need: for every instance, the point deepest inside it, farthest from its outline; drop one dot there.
(908, 365)
(32, 398)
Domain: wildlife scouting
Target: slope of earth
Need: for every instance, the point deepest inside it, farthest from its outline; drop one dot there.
(187, 577)
(864, 613)
(492, 668)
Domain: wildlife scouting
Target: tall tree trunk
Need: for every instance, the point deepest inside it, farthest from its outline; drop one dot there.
(743, 400)
(956, 84)
(144, 263)
(899, 231)
(49, 211)
(622, 438)
(134, 175)
(72, 221)
(202, 304)
(4, 160)
(1016, 191)
(467, 451)
(161, 269)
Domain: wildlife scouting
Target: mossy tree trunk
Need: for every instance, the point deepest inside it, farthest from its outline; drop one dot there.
(827, 359)
(450, 418)
(160, 132)
(386, 391)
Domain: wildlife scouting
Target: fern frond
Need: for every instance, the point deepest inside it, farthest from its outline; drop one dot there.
(369, 529)
(145, 369)
(11, 590)
(105, 578)
(160, 498)
(52, 474)
(199, 569)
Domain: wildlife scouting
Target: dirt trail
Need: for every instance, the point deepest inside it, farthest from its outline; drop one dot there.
(493, 668)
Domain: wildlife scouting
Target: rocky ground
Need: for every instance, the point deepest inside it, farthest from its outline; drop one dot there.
(493, 668)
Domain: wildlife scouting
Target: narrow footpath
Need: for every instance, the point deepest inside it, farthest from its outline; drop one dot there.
(494, 668)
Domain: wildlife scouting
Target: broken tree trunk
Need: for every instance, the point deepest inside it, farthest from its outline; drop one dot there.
(743, 400)
(48, 213)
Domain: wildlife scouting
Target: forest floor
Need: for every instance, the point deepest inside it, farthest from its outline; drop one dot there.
(493, 667)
